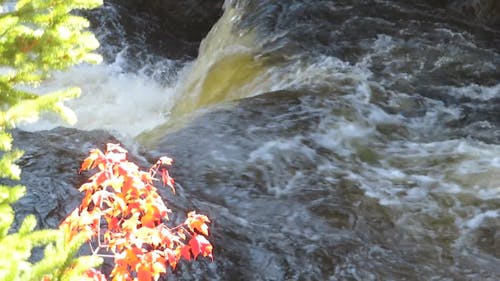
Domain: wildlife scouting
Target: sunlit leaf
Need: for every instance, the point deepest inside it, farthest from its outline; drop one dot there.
(124, 197)
(197, 222)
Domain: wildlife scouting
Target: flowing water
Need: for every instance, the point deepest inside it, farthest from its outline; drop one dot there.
(327, 140)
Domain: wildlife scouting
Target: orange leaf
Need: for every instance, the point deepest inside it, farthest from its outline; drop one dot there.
(120, 271)
(86, 200)
(87, 164)
(95, 157)
(197, 222)
(143, 274)
(148, 220)
(87, 186)
(132, 256)
(159, 267)
(146, 177)
(173, 256)
(99, 197)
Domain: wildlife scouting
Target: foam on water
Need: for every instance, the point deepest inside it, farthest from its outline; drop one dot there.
(477, 220)
(113, 100)
(475, 92)
(420, 167)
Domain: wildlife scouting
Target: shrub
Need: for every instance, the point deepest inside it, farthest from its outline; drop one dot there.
(122, 213)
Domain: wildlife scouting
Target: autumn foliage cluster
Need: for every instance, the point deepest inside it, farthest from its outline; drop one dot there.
(122, 216)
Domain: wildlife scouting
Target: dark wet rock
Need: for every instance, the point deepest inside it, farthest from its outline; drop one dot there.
(50, 174)
(190, 19)
(141, 34)
(171, 29)
(50, 171)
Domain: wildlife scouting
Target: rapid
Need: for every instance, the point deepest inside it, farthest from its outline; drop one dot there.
(326, 140)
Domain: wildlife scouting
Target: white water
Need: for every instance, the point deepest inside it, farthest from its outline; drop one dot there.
(123, 103)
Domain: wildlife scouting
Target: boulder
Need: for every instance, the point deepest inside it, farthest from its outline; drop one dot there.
(190, 19)
(50, 167)
(168, 29)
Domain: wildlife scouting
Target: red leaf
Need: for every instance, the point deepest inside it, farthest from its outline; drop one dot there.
(99, 178)
(167, 180)
(205, 246)
(113, 223)
(95, 275)
(195, 246)
(144, 274)
(185, 252)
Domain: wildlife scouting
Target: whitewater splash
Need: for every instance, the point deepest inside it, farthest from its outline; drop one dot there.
(124, 103)
(129, 102)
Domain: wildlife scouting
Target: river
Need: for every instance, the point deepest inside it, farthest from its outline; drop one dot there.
(326, 140)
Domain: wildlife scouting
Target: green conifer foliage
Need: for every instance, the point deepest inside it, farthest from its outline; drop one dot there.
(36, 38)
